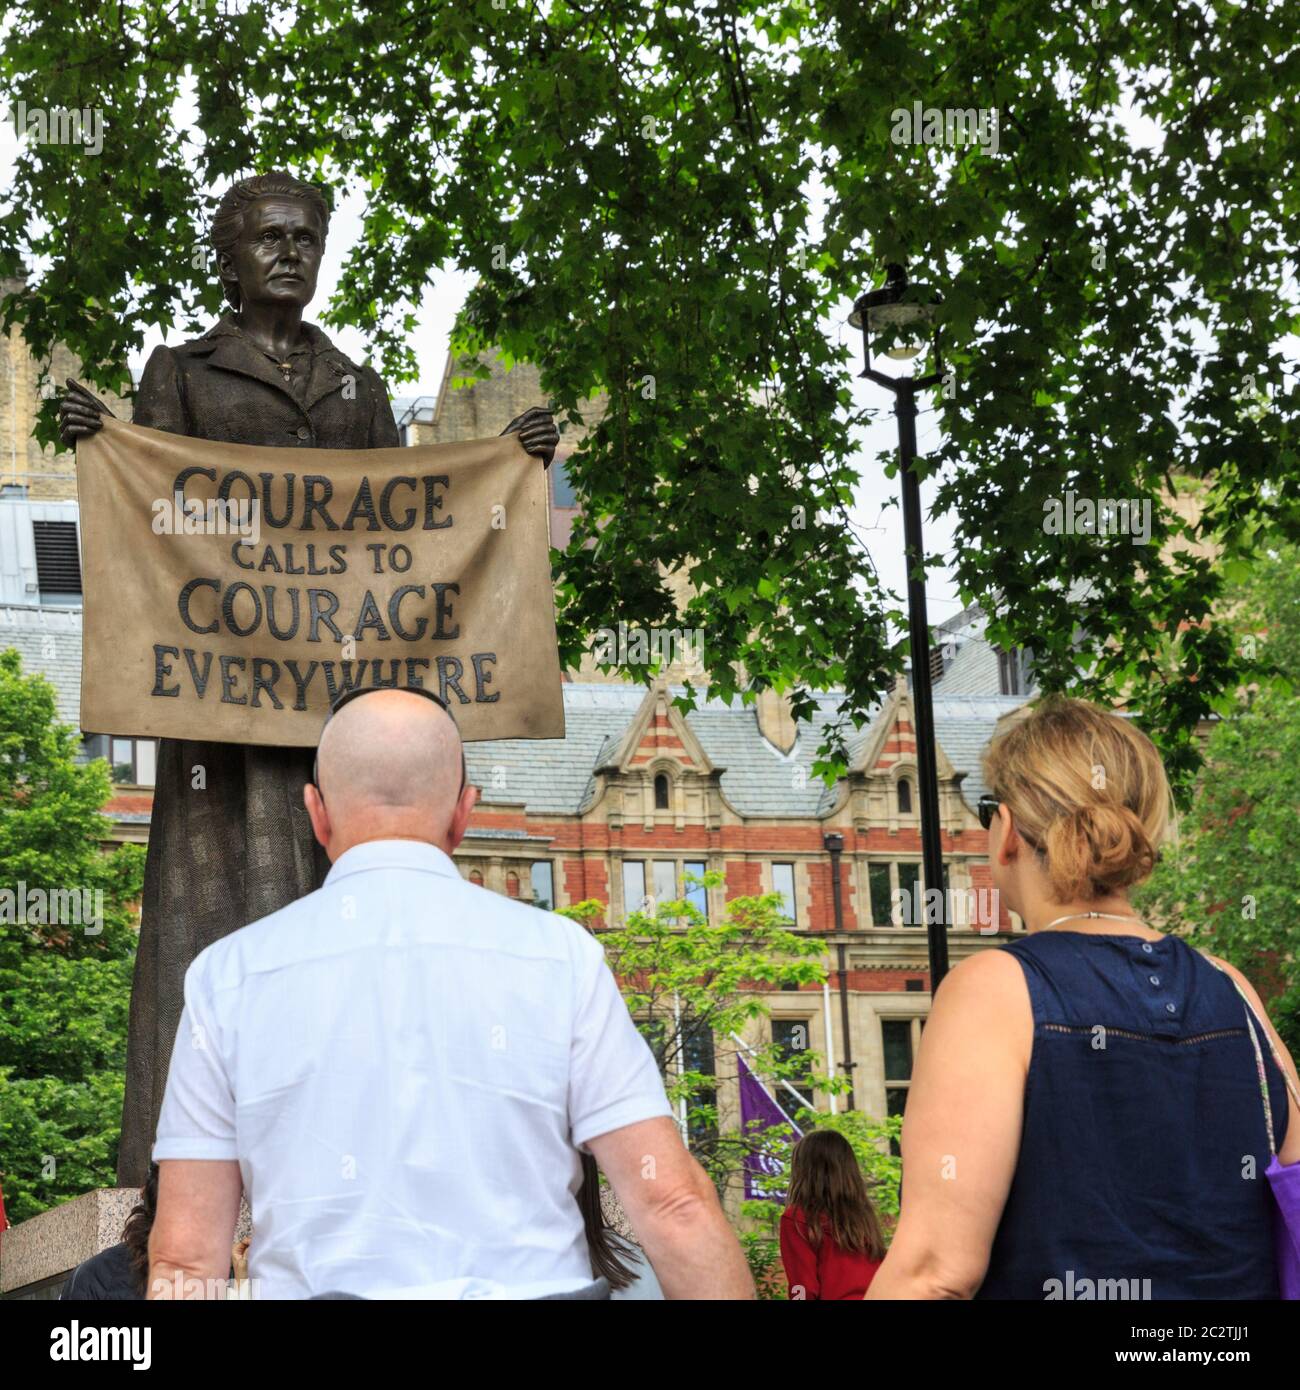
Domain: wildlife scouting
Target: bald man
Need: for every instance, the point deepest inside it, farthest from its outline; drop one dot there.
(401, 1069)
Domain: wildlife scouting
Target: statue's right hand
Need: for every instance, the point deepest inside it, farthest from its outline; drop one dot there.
(80, 413)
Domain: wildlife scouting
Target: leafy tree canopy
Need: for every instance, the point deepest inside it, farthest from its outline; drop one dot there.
(667, 207)
(52, 832)
(65, 981)
(1231, 880)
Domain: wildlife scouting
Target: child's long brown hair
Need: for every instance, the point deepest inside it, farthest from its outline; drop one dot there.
(135, 1234)
(826, 1185)
(608, 1259)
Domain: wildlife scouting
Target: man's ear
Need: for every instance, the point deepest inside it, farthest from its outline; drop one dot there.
(319, 816)
(460, 817)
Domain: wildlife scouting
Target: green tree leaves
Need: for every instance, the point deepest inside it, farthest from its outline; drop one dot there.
(64, 989)
(1231, 880)
(51, 826)
(668, 209)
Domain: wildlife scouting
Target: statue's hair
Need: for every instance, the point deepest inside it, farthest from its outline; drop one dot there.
(229, 221)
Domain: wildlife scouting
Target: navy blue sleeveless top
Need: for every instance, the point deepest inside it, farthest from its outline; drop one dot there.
(1142, 1114)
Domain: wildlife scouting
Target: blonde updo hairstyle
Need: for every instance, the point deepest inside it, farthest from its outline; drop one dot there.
(1087, 790)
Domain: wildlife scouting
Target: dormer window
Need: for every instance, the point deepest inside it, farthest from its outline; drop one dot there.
(661, 792)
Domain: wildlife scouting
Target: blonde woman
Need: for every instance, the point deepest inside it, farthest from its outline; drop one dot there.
(1086, 1107)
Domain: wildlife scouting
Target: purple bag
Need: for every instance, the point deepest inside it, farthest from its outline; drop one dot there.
(1283, 1178)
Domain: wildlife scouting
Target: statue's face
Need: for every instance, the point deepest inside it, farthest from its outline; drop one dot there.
(277, 257)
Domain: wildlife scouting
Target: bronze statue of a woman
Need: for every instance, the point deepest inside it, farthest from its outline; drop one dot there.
(230, 840)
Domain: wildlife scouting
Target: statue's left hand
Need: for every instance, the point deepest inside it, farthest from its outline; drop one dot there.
(537, 433)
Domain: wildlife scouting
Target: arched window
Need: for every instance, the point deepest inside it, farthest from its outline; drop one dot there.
(476, 878)
(661, 792)
(904, 798)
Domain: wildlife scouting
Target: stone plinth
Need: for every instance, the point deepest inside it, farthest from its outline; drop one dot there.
(54, 1243)
(36, 1256)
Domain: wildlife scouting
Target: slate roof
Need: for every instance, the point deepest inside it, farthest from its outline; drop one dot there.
(760, 781)
(557, 776)
(974, 669)
(963, 726)
(49, 640)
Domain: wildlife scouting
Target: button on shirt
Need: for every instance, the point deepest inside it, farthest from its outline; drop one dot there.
(404, 1065)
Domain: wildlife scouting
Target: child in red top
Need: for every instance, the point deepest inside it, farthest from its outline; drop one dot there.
(831, 1245)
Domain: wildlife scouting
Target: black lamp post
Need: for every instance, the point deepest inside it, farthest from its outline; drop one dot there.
(901, 314)
(834, 845)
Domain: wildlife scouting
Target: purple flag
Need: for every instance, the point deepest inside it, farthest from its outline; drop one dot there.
(758, 1111)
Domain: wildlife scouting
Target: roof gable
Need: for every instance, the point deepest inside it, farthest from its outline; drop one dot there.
(891, 741)
(659, 731)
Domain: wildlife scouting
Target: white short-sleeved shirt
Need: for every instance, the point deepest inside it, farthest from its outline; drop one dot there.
(404, 1065)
